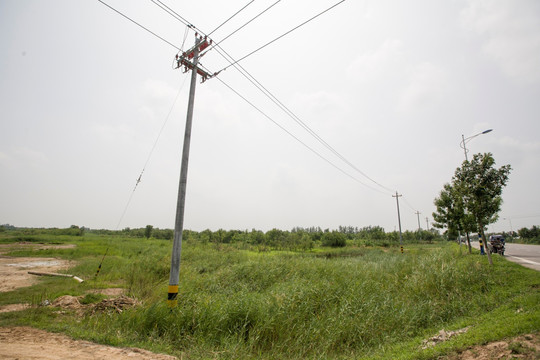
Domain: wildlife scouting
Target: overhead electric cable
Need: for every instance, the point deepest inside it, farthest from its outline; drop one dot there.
(226, 21)
(293, 116)
(171, 12)
(297, 139)
(180, 18)
(152, 150)
(185, 37)
(273, 98)
(255, 82)
(284, 34)
(136, 23)
(243, 26)
(142, 172)
(409, 204)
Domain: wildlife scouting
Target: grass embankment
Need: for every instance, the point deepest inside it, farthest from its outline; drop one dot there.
(355, 302)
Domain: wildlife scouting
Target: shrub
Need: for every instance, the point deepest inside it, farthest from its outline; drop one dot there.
(334, 239)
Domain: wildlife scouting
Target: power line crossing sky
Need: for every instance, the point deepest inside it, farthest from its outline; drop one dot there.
(390, 86)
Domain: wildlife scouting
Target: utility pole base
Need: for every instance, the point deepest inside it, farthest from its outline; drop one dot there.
(172, 296)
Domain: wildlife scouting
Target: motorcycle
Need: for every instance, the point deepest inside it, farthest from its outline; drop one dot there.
(496, 243)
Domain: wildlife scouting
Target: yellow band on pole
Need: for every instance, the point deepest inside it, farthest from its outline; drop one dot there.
(172, 295)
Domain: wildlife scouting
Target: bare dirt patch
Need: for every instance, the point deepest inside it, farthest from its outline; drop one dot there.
(522, 347)
(30, 343)
(14, 270)
(14, 307)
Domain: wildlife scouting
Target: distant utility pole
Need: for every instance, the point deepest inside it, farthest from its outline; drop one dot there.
(427, 223)
(397, 196)
(418, 215)
(184, 60)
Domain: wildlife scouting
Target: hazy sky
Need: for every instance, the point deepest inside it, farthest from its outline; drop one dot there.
(390, 85)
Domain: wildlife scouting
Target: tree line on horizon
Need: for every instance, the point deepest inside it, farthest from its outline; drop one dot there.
(370, 234)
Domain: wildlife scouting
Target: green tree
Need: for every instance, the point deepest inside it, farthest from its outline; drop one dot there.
(450, 213)
(148, 231)
(480, 185)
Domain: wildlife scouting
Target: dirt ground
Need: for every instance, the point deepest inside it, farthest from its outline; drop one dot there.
(29, 343)
(522, 347)
(14, 270)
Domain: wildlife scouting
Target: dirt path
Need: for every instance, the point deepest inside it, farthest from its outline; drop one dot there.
(30, 343)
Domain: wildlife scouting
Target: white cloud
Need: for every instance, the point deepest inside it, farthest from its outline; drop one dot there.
(373, 65)
(426, 88)
(511, 34)
(24, 157)
(113, 133)
(320, 104)
(4, 157)
(509, 142)
(157, 89)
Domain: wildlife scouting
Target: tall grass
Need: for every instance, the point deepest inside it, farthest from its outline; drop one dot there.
(348, 302)
(289, 305)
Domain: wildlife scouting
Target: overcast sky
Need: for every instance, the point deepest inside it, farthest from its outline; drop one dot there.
(390, 85)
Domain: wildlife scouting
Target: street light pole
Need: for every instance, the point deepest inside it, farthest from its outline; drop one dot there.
(464, 141)
(463, 145)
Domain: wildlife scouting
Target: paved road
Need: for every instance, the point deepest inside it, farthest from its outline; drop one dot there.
(526, 255)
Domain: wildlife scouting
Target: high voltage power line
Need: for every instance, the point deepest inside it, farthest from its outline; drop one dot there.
(284, 34)
(297, 139)
(226, 21)
(243, 26)
(276, 101)
(257, 84)
(184, 60)
(136, 23)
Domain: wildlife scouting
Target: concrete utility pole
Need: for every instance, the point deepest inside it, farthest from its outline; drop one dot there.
(399, 221)
(174, 278)
(427, 223)
(418, 215)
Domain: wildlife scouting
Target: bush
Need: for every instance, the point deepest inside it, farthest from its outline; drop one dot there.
(334, 239)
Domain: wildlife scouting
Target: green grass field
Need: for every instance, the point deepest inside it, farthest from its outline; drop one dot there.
(238, 302)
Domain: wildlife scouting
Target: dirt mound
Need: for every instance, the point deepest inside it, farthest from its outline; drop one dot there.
(30, 343)
(67, 302)
(110, 305)
(118, 304)
(442, 336)
(108, 291)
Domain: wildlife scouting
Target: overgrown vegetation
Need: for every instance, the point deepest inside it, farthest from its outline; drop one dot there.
(524, 235)
(258, 299)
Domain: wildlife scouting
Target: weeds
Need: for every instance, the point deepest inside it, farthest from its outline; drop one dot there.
(345, 302)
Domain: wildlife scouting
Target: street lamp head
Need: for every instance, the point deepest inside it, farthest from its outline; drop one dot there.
(486, 131)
